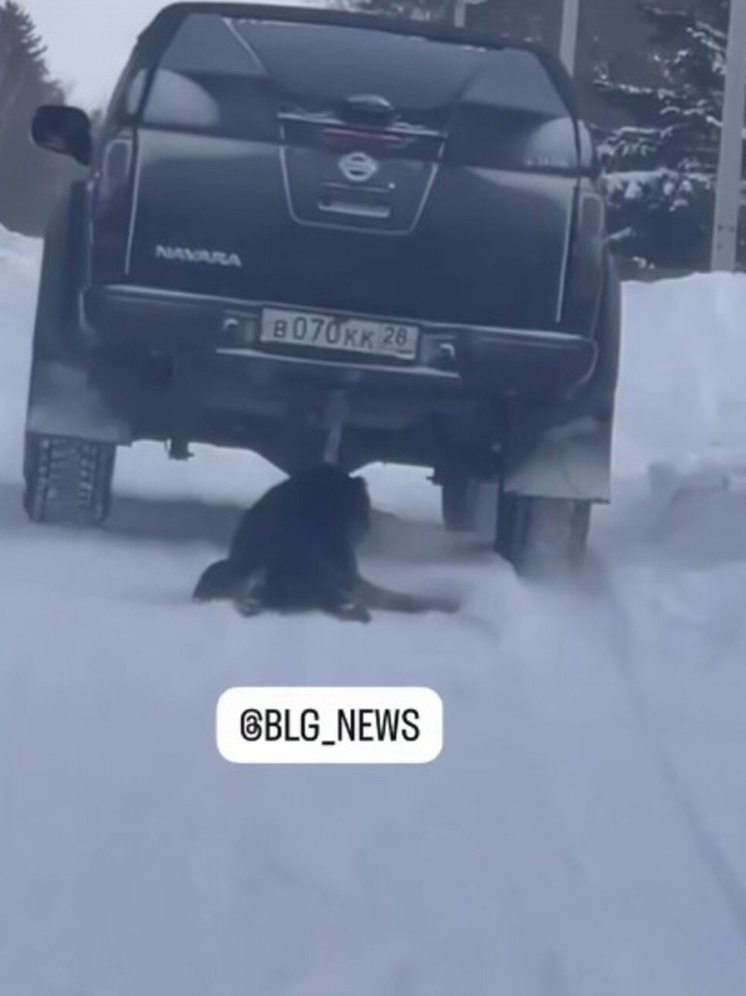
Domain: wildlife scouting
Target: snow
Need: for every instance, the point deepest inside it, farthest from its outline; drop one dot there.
(583, 831)
(635, 184)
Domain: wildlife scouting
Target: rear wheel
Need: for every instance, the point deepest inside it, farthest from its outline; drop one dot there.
(541, 535)
(459, 501)
(68, 481)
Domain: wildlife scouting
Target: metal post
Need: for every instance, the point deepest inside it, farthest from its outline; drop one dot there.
(459, 10)
(730, 163)
(336, 413)
(569, 33)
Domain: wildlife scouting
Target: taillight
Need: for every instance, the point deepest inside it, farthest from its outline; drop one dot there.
(347, 138)
(592, 217)
(111, 209)
(585, 266)
(338, 137)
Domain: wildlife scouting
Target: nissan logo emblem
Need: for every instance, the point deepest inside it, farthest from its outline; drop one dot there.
(357, 167)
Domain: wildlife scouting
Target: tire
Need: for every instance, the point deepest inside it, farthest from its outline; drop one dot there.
(459, 502)
(542, 535)
(67, 481)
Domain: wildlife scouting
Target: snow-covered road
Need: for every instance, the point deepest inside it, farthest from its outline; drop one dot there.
(582, 834)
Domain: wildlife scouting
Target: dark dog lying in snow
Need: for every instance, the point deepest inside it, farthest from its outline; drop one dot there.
(294, 550)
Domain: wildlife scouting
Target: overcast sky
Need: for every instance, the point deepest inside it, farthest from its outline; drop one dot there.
(89, 40)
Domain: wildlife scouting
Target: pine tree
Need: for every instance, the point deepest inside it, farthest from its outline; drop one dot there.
(30, 179)
(29, 38)
(661, 168)
(22, 58)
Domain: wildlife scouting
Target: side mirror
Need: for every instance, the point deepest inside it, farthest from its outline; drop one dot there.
(65, 130)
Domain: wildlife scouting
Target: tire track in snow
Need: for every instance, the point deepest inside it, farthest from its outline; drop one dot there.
(659, 921)
(558, 882)
(629, 649)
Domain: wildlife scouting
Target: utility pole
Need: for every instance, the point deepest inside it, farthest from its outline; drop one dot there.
(459, 13)
(459, 10)
(569, 33)
(730, 162)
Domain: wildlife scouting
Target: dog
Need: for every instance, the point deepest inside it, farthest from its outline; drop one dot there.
(295, 551)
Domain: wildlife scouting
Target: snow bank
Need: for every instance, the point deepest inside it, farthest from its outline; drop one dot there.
(17, 252)
(683, 386)
(19, 267)
(680, 441)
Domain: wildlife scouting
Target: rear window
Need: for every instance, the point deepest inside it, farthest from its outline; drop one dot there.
(233, 76)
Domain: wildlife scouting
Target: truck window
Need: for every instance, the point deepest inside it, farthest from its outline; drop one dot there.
(233, 76)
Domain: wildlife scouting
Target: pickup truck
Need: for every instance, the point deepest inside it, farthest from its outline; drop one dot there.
(320, 235)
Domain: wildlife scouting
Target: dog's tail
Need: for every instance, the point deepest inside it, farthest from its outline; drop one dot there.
(373, 596)
(218, 583)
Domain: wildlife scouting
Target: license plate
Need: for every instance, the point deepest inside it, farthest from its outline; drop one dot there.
(330, 333)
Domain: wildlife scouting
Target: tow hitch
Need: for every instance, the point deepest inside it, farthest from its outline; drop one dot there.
(334, 419)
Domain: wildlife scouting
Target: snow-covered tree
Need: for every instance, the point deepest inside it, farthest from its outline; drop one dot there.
(420, 10)
(661, 167)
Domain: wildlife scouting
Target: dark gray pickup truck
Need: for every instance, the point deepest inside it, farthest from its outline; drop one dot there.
(320, 235)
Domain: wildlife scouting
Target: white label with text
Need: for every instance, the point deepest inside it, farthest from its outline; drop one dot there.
(330, 725)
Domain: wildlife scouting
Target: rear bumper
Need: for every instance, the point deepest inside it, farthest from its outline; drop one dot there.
(212, 336)
(190, 369)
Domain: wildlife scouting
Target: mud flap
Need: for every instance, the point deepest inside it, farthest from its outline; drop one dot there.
(63, 402)
(571, 461)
